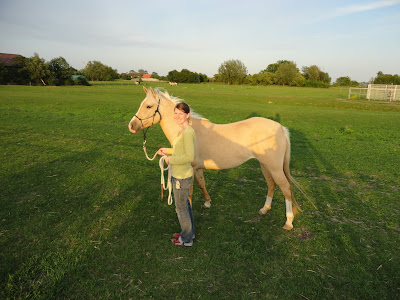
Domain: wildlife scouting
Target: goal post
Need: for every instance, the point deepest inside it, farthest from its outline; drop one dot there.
(383, 92)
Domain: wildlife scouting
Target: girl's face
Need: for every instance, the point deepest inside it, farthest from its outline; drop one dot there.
(180, 116)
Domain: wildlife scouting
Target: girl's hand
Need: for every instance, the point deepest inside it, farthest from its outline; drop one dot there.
(166, 159)
(161, 151)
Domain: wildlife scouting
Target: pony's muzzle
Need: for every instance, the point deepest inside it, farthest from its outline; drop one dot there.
(134, 128)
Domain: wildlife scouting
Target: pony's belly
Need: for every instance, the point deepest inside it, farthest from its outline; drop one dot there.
(226, 163)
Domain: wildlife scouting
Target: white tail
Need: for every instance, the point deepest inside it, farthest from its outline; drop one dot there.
(286, 169)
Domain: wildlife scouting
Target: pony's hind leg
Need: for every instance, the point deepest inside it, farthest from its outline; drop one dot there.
(271, 189)
(284, 185)
(202, 184)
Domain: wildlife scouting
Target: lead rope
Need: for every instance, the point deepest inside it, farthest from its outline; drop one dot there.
(161, 164)
(145, 152)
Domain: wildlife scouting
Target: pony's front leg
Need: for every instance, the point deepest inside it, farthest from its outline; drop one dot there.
(271, 189)
(266, 207)
(202, 184)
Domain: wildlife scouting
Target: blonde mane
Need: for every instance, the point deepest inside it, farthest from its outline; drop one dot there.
(164, 94)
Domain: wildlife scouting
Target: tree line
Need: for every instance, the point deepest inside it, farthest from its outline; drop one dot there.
(285, 72)
(37, 71)
(186, 76)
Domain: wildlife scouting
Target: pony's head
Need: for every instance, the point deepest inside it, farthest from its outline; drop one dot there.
(148, 112)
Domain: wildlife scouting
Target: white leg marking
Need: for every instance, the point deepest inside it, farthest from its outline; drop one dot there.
(207, 204)
(289, 215)
(266, 207)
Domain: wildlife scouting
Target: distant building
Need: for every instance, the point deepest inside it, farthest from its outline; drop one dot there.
(9, 60)
(133, 75)
(140, 76)
(11, 68)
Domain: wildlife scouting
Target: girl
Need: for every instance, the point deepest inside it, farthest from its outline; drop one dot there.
(180, 157)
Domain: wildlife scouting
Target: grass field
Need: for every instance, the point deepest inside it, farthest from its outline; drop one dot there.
(81, 215)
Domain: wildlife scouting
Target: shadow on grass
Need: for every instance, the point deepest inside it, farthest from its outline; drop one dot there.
(341, 226)
(57, 215)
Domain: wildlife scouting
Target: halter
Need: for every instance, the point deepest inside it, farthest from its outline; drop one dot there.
(146, 129)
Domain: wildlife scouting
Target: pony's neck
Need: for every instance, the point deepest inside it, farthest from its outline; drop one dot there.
(168, 124)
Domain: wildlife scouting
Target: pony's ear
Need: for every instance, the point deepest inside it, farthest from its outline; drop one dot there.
(145, 90)
(153, 93)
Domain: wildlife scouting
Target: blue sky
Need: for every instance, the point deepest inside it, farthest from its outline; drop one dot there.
(344, 38)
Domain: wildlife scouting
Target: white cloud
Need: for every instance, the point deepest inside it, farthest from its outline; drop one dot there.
(351, 9)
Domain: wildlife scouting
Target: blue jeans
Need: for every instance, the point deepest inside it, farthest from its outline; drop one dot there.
(183, 208)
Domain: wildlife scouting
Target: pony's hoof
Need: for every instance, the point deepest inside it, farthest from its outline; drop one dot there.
(288, 226)
(207, 204)
(264, 210)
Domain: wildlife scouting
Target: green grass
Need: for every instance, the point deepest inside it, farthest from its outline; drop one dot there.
(81, 215)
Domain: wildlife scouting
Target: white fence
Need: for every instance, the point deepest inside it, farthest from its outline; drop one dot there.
(358, 93)
(376, 92)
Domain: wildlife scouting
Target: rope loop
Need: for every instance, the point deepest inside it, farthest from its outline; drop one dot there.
(169, 181)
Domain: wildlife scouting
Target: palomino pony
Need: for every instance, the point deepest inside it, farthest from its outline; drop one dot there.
(226, 146)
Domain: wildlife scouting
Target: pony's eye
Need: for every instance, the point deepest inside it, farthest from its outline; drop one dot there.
(149, 106)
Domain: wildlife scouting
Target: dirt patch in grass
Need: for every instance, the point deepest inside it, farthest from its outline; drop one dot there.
(305, 235)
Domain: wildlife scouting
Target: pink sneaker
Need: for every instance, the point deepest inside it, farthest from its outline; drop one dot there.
(177, 235)
(179, 242)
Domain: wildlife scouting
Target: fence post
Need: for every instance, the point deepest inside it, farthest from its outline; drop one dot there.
(369, 92)
(386, 93)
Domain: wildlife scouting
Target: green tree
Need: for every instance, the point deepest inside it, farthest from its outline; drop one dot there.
(203, 77)
(266, 78)
(60, 71)
(272, 68)
(155, 75)
(298, 80)
(396, 79)
(96, 71)
(37, 69)
(343, 81)
(125, 77)
(232, 72)
(314, 74)
(386, 79)
(173, 76)
(324, 77)
(216, 78)
(286, 73)
(186, 76)
(311, 73)
(354, 83)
